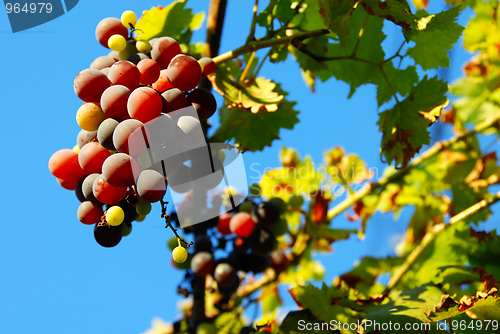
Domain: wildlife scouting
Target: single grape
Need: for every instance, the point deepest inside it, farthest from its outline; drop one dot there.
(151, 186)
(85, 137)
(242, 224)
(225, 274)
(89, 116)
(144, 104)
(64, 164)
(114, 101)
(262, 241)
(89, 213)
(140, 218)
(120, 170)
(117, 43)
(108, 27)
(179, 254)
(173, 99)
(184, 72)
(296, 201)
(279, 203)
(202, 243)
(280, 228)
(89, 85)
(143, 46)
(150, 71)
(227, 291)
(203, 263)
(105, 133)
(78, 188)
(266, 213)
(128, 137)
(143, 208)
(108, 236)
(115, 215)
(208, 65)
(279, 261)
(92, 156)
(246, 207)
(223, 225)
(87, 188)
(125, 73)
(172, 243)
(128, 19)
(106, 193)
(164, 49)
(114, 55)
(203, 101)
(102, 62)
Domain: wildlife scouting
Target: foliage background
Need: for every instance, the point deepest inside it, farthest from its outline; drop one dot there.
(53, 276)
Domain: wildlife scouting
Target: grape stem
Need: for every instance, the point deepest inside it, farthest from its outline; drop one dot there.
(168, 222)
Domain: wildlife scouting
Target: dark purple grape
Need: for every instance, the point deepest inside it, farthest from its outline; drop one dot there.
(173, 99)
(203, 101)
(262, 241)
(256, 263)
(266, 213)
(279, 261)
(87, 187)
(202, 244)
(108, 236)
(229, 290)
(78, 189)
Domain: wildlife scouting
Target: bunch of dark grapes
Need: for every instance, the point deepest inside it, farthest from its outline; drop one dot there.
(132, 88)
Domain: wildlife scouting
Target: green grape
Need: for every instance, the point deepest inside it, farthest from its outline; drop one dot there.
(255, 190)
(126, 229)
(115, 215)
(140, 218)
(129, 19)
(206, 328)
(246, 207)
(280, 228)
(117, 43)
(180, 254)
(129, 50)
(172, 243)
(186, 264)
(143, 46)
(280, 203)
(296, 201)
(143, 208)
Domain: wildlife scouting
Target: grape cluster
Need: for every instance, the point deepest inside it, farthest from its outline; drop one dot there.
(125, 93)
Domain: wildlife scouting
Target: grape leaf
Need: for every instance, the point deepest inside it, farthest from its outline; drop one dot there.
(404, 128)
(278, 9)
(242, 125)
(171, 21)
(294, 319)
(336, 15)
(402, 81)
(482, 25)
(393, 10)
(435, 38)
(346, 168)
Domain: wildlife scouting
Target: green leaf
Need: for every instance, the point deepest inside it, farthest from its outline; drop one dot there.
(336, 15)
(402, 81)
(433, 42)
(398, 12)
(171, 21)
(278, 54)
(481, 26)
(292, 324)
(242, 125)
(404, 127)
(277, 9)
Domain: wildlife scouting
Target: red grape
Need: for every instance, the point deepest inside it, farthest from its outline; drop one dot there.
(164, 49)
(120, 170)
(223, 225)
(102, 62)
(173, 99)
(151, 186)
(242, 224)
(203, 101)
(64, 164)
(68, 184)
(162, 84)
(89, 85)
(105, 192)
(144, 104)
(150, 71)
(114, 101)
(92, 156)
(203, 263)
(85, 137)
(208, 65)
(89, 213)
(184, 72)
(125, 73)
(128, 137)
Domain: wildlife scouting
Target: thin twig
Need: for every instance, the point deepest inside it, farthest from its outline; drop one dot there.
(262, 62)
(247, 67)
(251, 35)
(431, 235)
(368, 188)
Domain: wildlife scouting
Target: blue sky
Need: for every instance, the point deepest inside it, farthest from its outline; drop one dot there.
(54, 277)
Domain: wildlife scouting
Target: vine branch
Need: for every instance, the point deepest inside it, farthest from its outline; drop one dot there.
(368, 188)
(251, 35)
